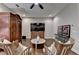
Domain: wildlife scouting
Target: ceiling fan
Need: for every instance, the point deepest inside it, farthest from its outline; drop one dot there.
(40, 5)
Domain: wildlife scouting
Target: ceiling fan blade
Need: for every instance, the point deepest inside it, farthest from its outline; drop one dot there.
(41, 6)
(32, 6)
(17, 5)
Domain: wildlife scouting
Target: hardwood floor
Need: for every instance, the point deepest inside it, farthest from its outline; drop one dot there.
(72, 53)
(48, 43)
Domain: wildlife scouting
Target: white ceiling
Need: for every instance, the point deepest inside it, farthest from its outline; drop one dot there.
(50, 9)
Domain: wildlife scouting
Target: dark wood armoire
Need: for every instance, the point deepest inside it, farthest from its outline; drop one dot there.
(10, 26)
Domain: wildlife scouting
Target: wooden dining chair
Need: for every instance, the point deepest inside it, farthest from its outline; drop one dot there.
(17, 50)
(67, 48)
(51, 50)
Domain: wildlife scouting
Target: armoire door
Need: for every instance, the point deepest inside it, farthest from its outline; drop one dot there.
(12, 28)
(18, 27)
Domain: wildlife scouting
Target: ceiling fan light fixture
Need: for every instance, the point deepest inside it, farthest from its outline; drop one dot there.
(36, 3)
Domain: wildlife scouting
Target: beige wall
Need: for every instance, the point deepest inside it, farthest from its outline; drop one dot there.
(69, 15)
(48, 26)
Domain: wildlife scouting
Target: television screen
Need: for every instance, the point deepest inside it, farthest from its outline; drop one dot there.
(37, 27)
(63, 33)
(66, 31)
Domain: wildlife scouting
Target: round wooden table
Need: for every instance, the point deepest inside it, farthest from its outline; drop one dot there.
(37, 45)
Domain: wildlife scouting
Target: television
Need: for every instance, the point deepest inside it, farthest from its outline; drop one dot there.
(63, 33)
(37, 27)
(66, 31)
(59, 30)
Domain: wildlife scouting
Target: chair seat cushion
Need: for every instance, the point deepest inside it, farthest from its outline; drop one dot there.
(52, 49)
(20, 49)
